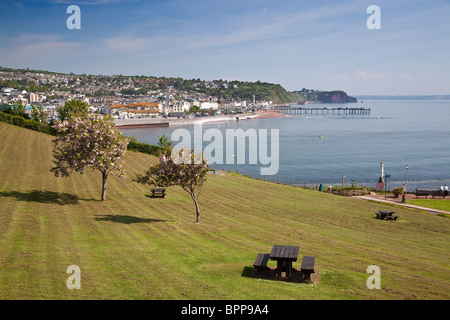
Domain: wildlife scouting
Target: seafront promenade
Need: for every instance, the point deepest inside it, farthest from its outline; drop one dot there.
(398, 201)
(162, 122)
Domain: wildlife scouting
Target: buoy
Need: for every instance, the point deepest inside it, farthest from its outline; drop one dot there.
(320, 136)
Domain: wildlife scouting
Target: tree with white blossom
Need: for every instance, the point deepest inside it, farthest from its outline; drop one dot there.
(89, 141)
(184, 169)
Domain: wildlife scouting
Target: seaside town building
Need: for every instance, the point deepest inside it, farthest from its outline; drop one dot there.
(123, 97)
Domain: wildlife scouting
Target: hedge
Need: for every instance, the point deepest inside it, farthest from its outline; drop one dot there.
(133, 145)
(27, 123)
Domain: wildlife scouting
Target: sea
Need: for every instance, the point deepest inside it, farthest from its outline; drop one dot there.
(410, 137)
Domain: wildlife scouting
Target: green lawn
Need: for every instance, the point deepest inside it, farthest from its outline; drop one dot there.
(439, 204)
(135, 247)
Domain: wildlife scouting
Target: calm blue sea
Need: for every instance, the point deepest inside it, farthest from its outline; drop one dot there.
(317, 149)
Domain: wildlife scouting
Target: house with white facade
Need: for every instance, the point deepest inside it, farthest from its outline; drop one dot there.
(209, 105)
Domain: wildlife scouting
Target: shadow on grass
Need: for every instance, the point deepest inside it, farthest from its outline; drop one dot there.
(126, 219)
(61, 198)
(247, 272)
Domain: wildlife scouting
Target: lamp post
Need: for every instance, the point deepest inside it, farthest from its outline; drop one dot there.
(406, 181)
(385, 184)
(237, 167)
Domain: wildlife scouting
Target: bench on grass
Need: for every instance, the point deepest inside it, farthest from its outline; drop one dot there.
(426, 193)
(261, 260)
(307, 267)
(159, 192)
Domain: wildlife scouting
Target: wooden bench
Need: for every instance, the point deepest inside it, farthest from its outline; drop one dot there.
(391, 218)
(426, 193)
(307, 267)
(159, 192)
(261, 261)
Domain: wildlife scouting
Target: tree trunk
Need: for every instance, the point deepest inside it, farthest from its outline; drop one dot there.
(197, 209)
(104, 177)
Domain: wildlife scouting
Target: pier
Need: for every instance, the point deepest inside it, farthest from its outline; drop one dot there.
(322, 110)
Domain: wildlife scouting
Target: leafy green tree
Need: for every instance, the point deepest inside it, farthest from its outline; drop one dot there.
(16, 109)
(194, 109)
(166, 143)
(72, 108)
(37, 113)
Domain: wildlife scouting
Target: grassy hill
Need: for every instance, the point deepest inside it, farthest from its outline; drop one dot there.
(135, 247)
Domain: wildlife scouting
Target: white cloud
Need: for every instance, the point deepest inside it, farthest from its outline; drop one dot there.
(86, 2)
(125, 44)
(364, 75)
(360, 74)
(38, 47)
(333, 76)
(405, 76)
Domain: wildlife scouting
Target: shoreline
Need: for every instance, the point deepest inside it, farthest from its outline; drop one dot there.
(159, 122)
(268, 114)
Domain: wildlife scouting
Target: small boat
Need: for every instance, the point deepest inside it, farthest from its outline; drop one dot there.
(321, 136)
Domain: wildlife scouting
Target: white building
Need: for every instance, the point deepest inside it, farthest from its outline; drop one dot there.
(179, 106)
(209, 105)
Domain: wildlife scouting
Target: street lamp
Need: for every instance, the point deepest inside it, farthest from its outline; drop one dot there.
(237, 167)
(406, 181)
(385, 184)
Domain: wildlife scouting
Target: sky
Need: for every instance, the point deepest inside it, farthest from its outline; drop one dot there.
(315, 44)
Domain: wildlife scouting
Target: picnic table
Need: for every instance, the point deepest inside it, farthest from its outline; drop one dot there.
(386, 215)
(284, 255)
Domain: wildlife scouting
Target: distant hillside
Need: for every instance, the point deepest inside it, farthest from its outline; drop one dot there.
(335, 96)
(235, 90)
(101, 85)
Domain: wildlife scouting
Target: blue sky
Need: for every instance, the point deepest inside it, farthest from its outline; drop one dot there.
(323, 45)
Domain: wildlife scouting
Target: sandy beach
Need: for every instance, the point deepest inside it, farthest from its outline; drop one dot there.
(270, 114)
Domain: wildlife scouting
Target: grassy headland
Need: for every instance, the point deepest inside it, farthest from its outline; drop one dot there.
(135, 247)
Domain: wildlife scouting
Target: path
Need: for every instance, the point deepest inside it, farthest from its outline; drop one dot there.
(398, 201)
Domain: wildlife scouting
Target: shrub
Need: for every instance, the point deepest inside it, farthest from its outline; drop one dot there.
(135, 145)
(18, 121)
(5, 117)
(33, 125)
(397, 192)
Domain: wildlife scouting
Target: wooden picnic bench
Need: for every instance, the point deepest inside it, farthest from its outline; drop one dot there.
(284, 255)
(159, 192)
(307, 267)
(386, 215)
(261, 261)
